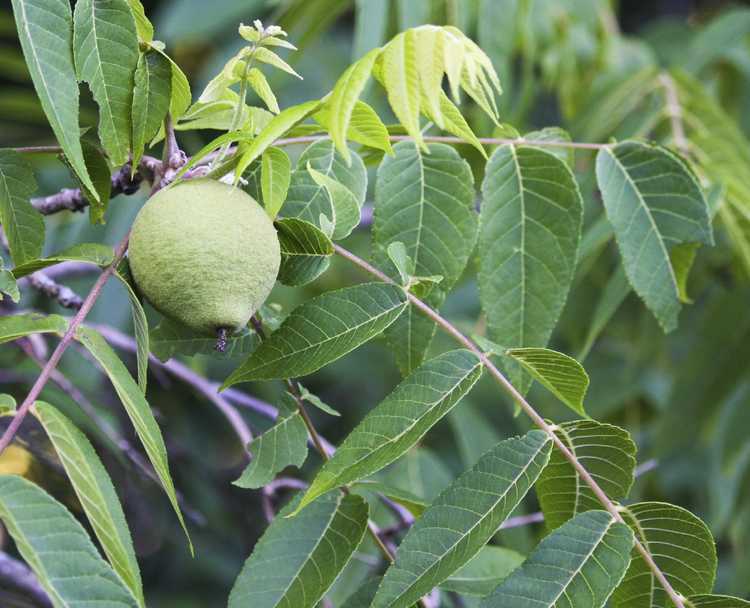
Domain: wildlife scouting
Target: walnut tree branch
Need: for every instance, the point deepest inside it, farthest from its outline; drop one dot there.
(536, 418)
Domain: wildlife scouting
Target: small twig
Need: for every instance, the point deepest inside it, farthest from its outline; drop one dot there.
(72, 199)
(65, 296)
(537, 419)
(62, 346)
(16, 575)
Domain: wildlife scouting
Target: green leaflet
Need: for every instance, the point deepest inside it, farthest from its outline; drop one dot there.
(562, 375)
(399, 421)
(344, 97)
(322, 330)
(530, 226)
(140, 323)
(324, 184)
(653, 203)
(278, 125)
(401, 81)
(426, 202)
(22, 224)
(682, 547)
(305, 251)
(274, 179)
(577, 565)
(365, 127)
(45, 29)
(43, 531)
(151, 96)
(485, 571)
(8, 286)
(608, 454)
(105, 46)
(297, 559)
(284, 444)
(96, 493)
(91, 253)
(463, 518)
(138, 411)
(13, 327)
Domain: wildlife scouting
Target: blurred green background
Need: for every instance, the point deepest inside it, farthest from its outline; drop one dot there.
(685, 397)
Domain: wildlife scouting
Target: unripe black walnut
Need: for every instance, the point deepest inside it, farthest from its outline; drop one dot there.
(205, 254)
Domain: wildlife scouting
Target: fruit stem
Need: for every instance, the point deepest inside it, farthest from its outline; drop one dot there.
(222, 338)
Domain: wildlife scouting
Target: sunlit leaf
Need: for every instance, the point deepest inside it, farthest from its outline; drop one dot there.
(13, 327)
(275, 176)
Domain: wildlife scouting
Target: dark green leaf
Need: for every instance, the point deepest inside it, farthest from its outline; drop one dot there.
(485, 571)
(654, 203)
(22, 224)
(305, 251)
(465, 516)
(298, 559)
(105, 45)
(45, 29)
(608, 454)
(577, 565)
(140, 323)
(323, 330)
(170, 338)
(399, 421)
(151, 96)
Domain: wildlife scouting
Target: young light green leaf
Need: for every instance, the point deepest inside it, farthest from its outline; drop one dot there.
(297, 559)
(305, 251)
(316, 401)
(716, 601)
(90, 253)
(613, 295)
(279, 125)
(401, 260)
(142, 24)
(454, 122)
(463, 518)
(105, 46)
(682, 547)
(170, 338)
(346, 209)
(265, 55)
(151, 96)
(344, 97)
(365, 126)
(399, 421)
(180, 87)
(7, 405)
(400, 78)
(221, 140)
(321, 331)
(140, 323)
(528, 241)
(43, 530)
(308, 199)
(654, 203)
(562, 375)
(22, 224)
(101, 176)
(95, 492)
(485, 571)
(257, 81)
(13, 327)
(578, 565)
(274, 179)
(284, 444)
(426, 202)
(138, 411)
(608, 454)
(45, 30)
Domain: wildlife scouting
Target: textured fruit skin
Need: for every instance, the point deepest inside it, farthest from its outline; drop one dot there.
(205, 254)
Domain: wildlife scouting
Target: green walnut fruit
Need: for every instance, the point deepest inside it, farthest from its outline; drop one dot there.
(205, 254)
